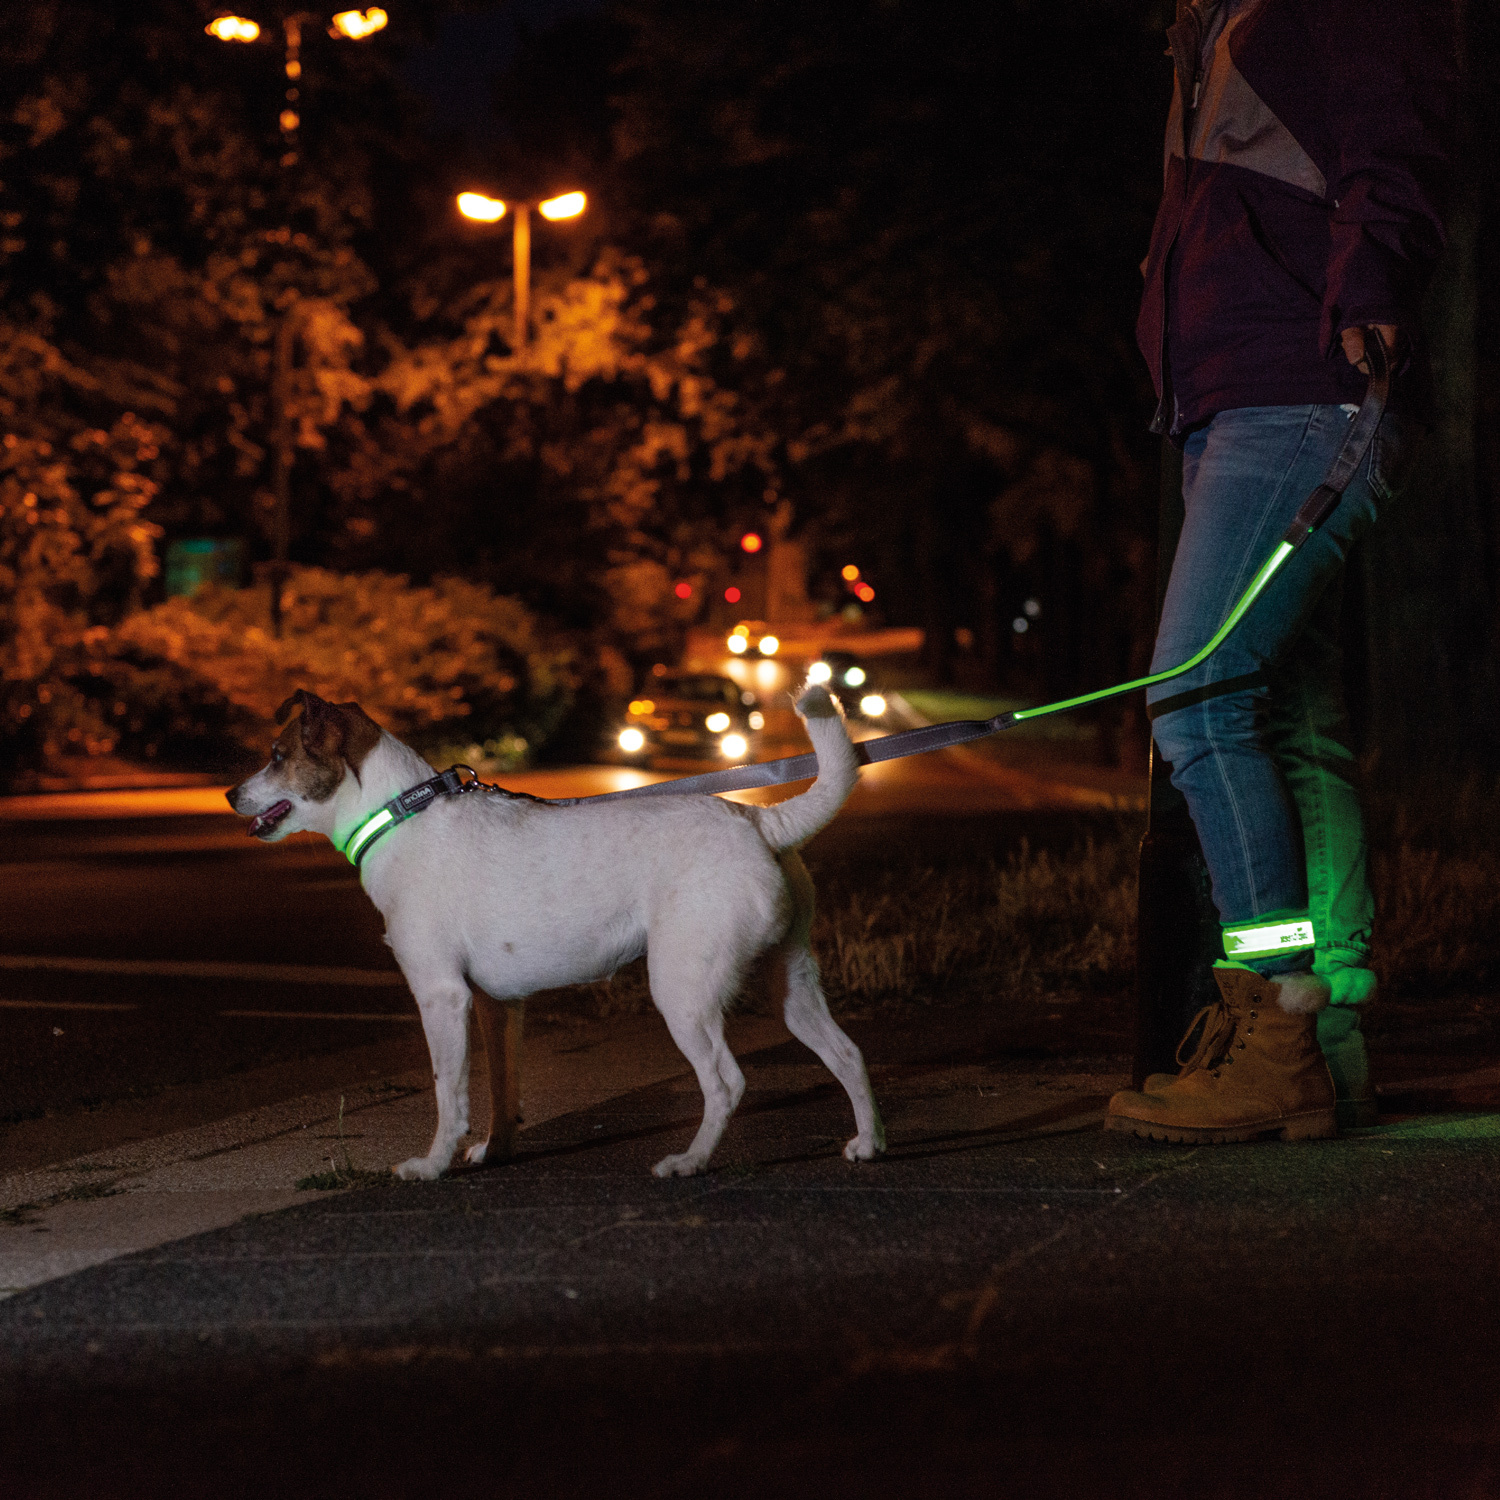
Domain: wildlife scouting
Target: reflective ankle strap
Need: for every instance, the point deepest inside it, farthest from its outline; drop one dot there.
(1268, 939)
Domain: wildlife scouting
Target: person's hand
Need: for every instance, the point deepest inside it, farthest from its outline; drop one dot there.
(1354, 344)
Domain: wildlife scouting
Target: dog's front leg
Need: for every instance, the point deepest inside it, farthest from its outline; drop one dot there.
(500, 1026)
(445, 1018)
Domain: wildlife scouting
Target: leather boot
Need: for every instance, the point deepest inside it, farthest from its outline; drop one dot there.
(1343, 1047)
(1257, 1069)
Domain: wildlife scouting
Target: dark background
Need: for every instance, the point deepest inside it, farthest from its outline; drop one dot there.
(877, 259)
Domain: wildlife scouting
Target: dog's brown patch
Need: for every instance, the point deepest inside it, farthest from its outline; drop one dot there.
(329, 736)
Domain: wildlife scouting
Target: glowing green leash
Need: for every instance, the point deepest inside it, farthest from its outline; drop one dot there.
(1315, 510)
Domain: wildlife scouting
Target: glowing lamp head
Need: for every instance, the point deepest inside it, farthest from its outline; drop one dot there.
(864, 593)
(751, 542)
(737, 644)
(716, 723)
(769, 645)
(568, 206)
(850, 573)
(479, 208)
(872, 705)
(233, 29)
(355, 24)
(734, 746)
(632, 740)
(854, 677)
(820, 671)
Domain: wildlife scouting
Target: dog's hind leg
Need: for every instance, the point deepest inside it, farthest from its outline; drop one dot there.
(444, 1004)
(500, 1026)
(679, 986)
(702, 1043)
(808, 1019)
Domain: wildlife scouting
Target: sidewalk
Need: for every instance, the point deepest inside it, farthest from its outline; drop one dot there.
(129, 1195)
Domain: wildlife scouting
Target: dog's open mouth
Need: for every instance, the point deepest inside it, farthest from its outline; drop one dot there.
(263, 823)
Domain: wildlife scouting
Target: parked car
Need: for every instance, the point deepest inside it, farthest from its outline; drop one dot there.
(691, 716)
(752, 638)
(848, 679)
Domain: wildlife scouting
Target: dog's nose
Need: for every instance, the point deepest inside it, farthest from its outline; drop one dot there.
(232, 797)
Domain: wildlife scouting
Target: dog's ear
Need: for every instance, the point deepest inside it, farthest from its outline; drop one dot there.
(361, 734)
(321, 725)
(300, 699)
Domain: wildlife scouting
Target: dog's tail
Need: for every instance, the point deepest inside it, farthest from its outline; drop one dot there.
(795, 821)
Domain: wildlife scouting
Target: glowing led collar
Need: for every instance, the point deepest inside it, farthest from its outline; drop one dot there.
(398, 810)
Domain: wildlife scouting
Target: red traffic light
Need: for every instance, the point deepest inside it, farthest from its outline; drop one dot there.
(732, 595)
(684, 591)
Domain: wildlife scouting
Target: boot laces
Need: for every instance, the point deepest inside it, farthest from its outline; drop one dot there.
(1214, 1041)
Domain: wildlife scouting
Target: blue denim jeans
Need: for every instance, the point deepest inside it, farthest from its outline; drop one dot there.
(1258, 736)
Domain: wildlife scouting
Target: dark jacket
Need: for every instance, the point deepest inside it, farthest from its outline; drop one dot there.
(1304, 195)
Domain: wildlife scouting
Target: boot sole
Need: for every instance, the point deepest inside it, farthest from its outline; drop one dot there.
(1314, 1125)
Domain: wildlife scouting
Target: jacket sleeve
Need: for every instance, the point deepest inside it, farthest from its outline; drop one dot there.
(1391, 102)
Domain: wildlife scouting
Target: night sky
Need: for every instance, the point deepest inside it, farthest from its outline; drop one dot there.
(456, 73)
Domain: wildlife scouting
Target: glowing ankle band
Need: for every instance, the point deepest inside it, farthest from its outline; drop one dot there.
(1268, 939)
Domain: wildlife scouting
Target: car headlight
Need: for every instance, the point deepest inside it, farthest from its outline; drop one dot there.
(737, 644)
(854, 677)
(872, 705)
(757, 720)
(820, 671)
(733, 746)
(769, 645)
(631, 740)
(716, 723)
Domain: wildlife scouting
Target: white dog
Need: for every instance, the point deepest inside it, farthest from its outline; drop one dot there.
(511, 895)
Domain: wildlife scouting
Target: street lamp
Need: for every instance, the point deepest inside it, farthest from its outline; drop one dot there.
(486, 210)
(354, 25)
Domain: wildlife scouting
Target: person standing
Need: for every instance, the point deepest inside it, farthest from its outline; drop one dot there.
(1308, 159)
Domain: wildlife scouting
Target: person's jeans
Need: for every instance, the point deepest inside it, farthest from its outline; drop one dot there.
(1258, 736)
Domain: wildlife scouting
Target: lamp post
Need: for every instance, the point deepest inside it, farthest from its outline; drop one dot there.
(353, 25)
(486, 210)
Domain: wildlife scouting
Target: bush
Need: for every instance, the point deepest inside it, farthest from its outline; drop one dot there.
(74, 551)
(436, 665)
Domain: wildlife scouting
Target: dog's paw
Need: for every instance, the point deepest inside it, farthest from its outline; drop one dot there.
(686, 1165)
(859, 1149)
(475, 1155)
(420, 1169)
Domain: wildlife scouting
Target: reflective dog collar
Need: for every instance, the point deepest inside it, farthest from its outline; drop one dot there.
(399, 809)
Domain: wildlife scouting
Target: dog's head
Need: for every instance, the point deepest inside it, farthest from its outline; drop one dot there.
(309, 760)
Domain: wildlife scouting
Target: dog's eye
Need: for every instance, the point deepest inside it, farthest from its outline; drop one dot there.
(276, 756)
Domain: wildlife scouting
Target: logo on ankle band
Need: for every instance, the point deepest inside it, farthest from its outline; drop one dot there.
(1267, 939)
